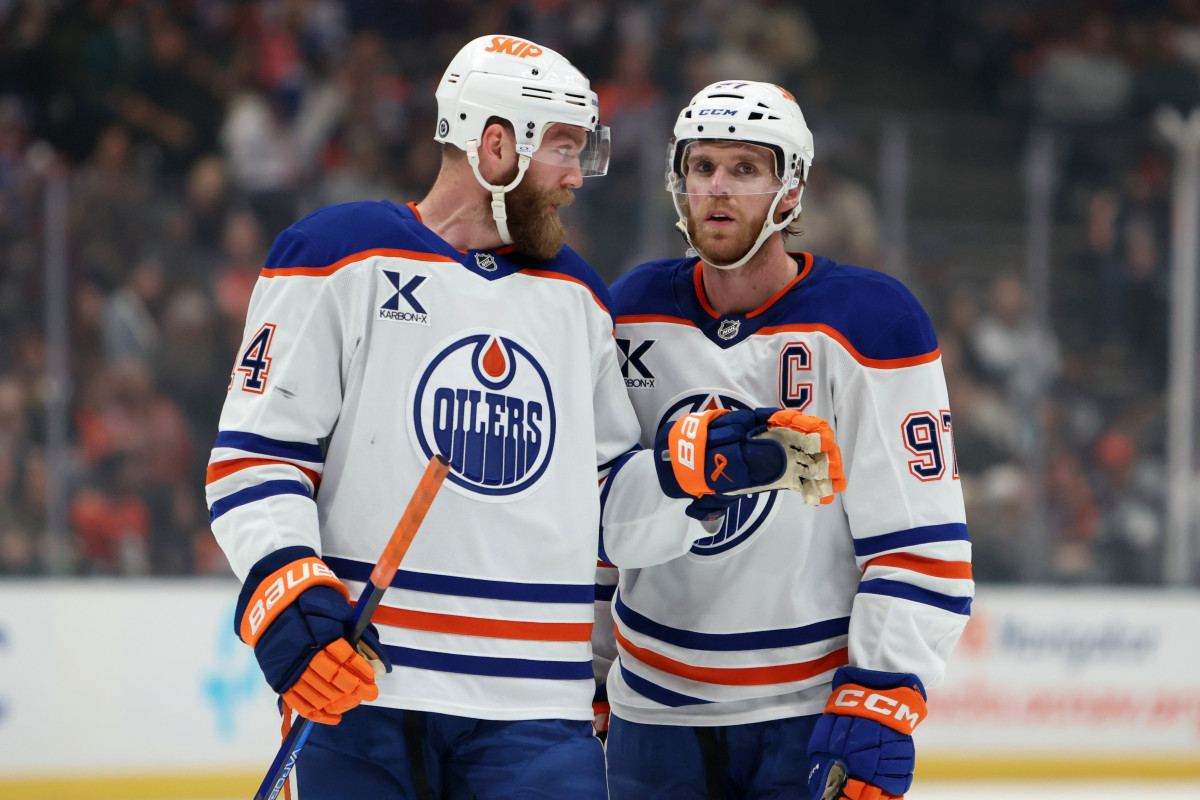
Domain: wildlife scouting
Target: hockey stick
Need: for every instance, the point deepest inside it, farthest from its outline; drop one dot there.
(372, 593)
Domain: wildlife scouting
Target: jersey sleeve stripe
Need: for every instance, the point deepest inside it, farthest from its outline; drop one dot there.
(948, 532)
(264, 446)
(489, 665)
(906, 591)
(223, 469)
(607, 465)
(937, 568)
(541, 273)
(605, 591)
(348, 569)
(483, 627)
(658, 694)
(318, 272)
(754, 640)
(736, 676)
(633, 319)
(254, 493)
(836, 335)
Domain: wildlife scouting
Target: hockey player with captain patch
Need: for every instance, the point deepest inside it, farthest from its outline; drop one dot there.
(789, 653)
(379, 336)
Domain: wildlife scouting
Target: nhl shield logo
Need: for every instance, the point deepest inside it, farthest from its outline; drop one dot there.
(729, 328)
(485, 261)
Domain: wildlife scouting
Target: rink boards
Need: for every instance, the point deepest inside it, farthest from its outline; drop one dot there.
(140, 689)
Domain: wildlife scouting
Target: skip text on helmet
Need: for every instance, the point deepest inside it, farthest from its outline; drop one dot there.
(514, 47)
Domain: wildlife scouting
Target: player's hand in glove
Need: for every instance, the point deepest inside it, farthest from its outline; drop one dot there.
(600, 712)
(710, 508)
(722, 452)
(296, 614)
(814, 458)
(862, 747)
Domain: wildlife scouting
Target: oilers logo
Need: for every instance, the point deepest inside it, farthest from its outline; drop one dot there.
(484, 401)
(751, 511)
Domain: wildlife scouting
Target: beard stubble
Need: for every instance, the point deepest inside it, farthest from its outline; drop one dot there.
(718, 248)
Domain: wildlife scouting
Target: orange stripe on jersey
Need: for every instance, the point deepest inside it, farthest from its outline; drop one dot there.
(633, 319)
(698, 281)
(490, 628)
(808, 262)
(702, 296)
(541, 273)
(222, 469)
(386, 252)
(833, 333)
(959, 570)
(737, 676)
(602, 563)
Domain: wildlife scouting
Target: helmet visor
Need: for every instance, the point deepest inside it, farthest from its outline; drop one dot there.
(572, 147)
(707, 167)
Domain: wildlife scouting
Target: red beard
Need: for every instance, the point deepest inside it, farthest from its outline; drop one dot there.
(533, 221)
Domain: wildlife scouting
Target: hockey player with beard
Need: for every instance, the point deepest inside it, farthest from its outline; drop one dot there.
(380, 335)
(788, 654)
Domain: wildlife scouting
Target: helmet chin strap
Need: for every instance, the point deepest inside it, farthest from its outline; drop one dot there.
(499, 212)
(768, 228)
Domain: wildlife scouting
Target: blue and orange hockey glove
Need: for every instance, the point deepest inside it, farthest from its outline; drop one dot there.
(814, 458)
(722, 452)
(295, 613)
(862, 746)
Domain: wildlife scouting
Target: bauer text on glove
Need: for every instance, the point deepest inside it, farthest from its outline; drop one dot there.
(296, 615)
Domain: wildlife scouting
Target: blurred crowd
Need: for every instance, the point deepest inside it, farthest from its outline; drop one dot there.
(190, 132)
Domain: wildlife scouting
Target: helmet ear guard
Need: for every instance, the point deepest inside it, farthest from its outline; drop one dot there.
(753, 112)
(529, 86)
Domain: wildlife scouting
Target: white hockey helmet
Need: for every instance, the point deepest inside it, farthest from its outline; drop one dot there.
(745, 111)
(529, 86)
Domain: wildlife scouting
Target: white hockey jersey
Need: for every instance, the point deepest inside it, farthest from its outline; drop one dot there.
(372, 344)
(751, 622)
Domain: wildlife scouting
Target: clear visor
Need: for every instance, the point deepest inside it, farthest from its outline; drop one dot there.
(718, 168)
(588, 152)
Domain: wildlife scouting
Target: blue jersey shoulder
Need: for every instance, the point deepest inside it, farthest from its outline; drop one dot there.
(650, 288)
(876, 313)
(337, 231)
(332, 233)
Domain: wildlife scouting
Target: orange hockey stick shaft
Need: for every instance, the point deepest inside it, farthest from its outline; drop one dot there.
(406, 528)
(368, 601)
